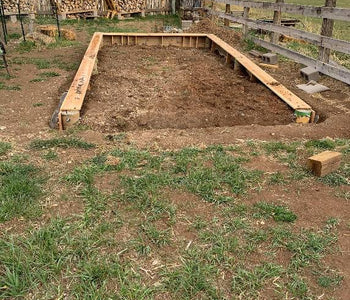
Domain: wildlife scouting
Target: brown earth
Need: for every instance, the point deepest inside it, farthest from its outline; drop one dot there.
(152, 88)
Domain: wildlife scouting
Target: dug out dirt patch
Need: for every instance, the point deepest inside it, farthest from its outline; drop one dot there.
(145, 87)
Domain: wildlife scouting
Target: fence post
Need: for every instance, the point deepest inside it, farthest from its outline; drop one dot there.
(277, 17)
(327, 30)
(245, 16)
(227, 11)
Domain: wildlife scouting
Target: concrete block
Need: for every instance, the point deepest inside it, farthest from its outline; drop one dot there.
(313, 87)
(270, 58)
(310, 73)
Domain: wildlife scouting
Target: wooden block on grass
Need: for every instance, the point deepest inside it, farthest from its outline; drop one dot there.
(324, 163)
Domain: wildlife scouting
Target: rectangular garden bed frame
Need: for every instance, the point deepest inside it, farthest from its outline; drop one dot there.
(70, 109)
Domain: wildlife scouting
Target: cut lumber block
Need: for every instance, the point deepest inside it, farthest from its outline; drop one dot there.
(324, 163)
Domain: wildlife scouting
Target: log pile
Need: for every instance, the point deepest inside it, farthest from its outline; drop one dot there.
(10, 6)
(130, 5)
(76, 5)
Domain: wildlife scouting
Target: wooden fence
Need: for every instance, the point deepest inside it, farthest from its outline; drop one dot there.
(324, 40)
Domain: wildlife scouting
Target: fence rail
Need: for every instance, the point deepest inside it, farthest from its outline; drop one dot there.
(325, 41)
(316, 39)
(341, 14)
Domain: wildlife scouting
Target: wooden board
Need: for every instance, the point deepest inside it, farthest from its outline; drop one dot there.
(324, 163)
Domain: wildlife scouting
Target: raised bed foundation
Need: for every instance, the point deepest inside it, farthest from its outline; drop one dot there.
(72, 105)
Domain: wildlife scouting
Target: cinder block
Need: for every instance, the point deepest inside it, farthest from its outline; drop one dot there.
(324, 163)
(270, 58)
(310, 73)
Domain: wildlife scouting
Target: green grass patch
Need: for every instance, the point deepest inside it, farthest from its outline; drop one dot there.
(3, 86)
(20, 189)
(278, 212)
(26, 46)
(4, 148)
(63, 142)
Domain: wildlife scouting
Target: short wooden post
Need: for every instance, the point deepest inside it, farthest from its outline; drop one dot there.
(245, 16)
(324, 163)
(227, 11)
(277, 18)
(327, 30)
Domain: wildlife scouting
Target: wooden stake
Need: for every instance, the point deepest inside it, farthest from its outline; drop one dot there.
(227, 11)
(277, 17)
(245, 16)
(327, 30)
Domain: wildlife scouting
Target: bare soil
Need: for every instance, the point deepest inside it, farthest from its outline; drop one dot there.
(156, 88)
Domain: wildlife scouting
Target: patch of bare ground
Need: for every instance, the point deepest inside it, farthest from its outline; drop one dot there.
(154, 88)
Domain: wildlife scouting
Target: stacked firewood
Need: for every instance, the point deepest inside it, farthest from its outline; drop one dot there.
(10, 6)
(130, 5)
(75, 5)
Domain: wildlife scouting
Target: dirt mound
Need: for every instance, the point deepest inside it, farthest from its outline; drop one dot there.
(226, 34)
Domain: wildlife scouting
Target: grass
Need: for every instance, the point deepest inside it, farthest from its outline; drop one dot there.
(3, 86)
(20, 190)
(42, 63)
(4, 148)
(45, 75)
(165, 248)
(26, 46)
(64, 142)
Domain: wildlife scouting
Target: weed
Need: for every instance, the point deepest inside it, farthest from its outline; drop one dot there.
(248, 282)
(62, 43)
(309, 247)
(3, 86)
(158, 237)
(60, 143)
(275, 147)
(325, 144)
(45, 75)
(4, 148)
(277, 178)
(341, 177)
(14, 36)
(49, 74)
(298, 287)
(26, 46)
(329, 278)
(38, 104)
(50, 155)
(191, 279)
(278, 212)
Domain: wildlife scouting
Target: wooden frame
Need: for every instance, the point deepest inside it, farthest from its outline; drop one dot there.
(70, 109)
